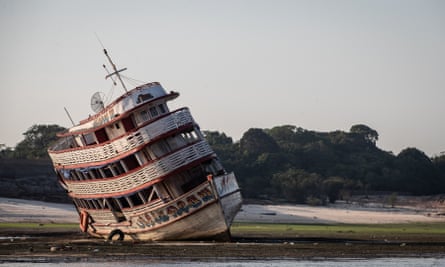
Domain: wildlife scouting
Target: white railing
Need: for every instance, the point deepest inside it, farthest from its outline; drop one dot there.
(150, 172)
(120, 106)
(158, 213)
(103, 216)
(200, 194)
(108, 151)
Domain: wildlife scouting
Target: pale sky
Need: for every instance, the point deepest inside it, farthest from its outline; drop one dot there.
(238, 64)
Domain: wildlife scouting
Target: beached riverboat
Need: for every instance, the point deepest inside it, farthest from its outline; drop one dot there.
(137, 170)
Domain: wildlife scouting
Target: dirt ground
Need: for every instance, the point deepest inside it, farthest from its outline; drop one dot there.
(72, 246)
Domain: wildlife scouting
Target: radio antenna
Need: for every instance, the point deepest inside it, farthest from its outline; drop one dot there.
(116, 72)
(69, 116)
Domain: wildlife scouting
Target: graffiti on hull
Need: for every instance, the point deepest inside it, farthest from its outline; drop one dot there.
(175, 210)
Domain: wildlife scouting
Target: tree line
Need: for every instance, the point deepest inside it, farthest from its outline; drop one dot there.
(293, 164)
(35, 143)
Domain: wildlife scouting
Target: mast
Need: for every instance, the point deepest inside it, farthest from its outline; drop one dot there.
(116, 72)
(69, 116)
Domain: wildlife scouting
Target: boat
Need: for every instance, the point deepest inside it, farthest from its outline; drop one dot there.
(136, 170)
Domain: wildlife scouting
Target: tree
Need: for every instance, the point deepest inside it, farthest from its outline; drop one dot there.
(217, 139)
(369, 135)
(418, 174)
(332, 187)
(256, 141)
(6, 152)
(297, 185)
(37, 140)
(290, 163)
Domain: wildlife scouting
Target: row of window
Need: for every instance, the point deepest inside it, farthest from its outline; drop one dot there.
(147, 154)
(121, 127)
(139, 198)
(171, 188)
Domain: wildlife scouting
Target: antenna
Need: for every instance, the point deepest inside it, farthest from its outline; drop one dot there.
(97, 102)
(105, 67)
(116, 72)
(69, 116)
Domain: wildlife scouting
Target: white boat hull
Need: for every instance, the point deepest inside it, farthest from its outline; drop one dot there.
(207, 215)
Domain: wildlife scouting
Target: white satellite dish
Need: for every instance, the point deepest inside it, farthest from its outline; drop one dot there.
(97, 101)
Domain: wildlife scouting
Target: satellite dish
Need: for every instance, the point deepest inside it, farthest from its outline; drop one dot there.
(97, 101)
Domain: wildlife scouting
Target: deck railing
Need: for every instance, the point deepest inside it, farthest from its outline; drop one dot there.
(108, 151)
(156, 169)
(102, 216)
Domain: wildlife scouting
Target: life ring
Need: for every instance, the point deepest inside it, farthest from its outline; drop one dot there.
(84, 216)
(116, 232)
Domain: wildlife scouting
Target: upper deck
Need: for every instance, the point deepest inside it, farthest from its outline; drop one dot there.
(138, 96)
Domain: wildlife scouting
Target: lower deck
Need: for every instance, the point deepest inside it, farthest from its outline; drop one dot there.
(204, 212)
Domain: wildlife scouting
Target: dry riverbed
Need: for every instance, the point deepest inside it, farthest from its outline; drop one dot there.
(260, 232)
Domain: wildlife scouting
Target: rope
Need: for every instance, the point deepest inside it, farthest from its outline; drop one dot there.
(133, 81)
(110, 94)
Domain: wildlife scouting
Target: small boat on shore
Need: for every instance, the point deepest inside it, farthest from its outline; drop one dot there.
(137, 170)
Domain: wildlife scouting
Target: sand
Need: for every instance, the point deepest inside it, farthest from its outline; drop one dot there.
(19, 210)
(334, 214)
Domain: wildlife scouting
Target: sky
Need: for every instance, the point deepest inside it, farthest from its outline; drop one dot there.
(238, 64)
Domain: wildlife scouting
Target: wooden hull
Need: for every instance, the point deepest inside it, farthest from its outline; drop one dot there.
(207, 215)
(203, 224)
(231, 204)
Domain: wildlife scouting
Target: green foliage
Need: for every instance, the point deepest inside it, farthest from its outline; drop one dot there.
(256, 141)
(6, 152)
(37, 140)
(369, 135)
(298, 165)
(439, 164)
(333, 187)
(297, 185)
(392, 199)
(417, 172)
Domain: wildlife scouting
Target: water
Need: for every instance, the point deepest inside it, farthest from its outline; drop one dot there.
(390, 262)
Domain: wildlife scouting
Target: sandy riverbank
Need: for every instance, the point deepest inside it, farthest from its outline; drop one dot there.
(55, 245)
(19, 210)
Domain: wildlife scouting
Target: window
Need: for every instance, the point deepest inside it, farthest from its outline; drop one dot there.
(143, 98)
(153, 111)
(136, 200)
(79, 175)
(107, 171)
(73, 175)
(89, 139)
(146, 153)
(95, 173)
(162, 108)
(124, 203)
(128, 123)
(86, 174)
(148, 194)
(117, 168)
(160, 148)
(131, 162)
(101, 135)
(144, 115)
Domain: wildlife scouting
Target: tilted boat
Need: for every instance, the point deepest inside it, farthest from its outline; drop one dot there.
(138, 171)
